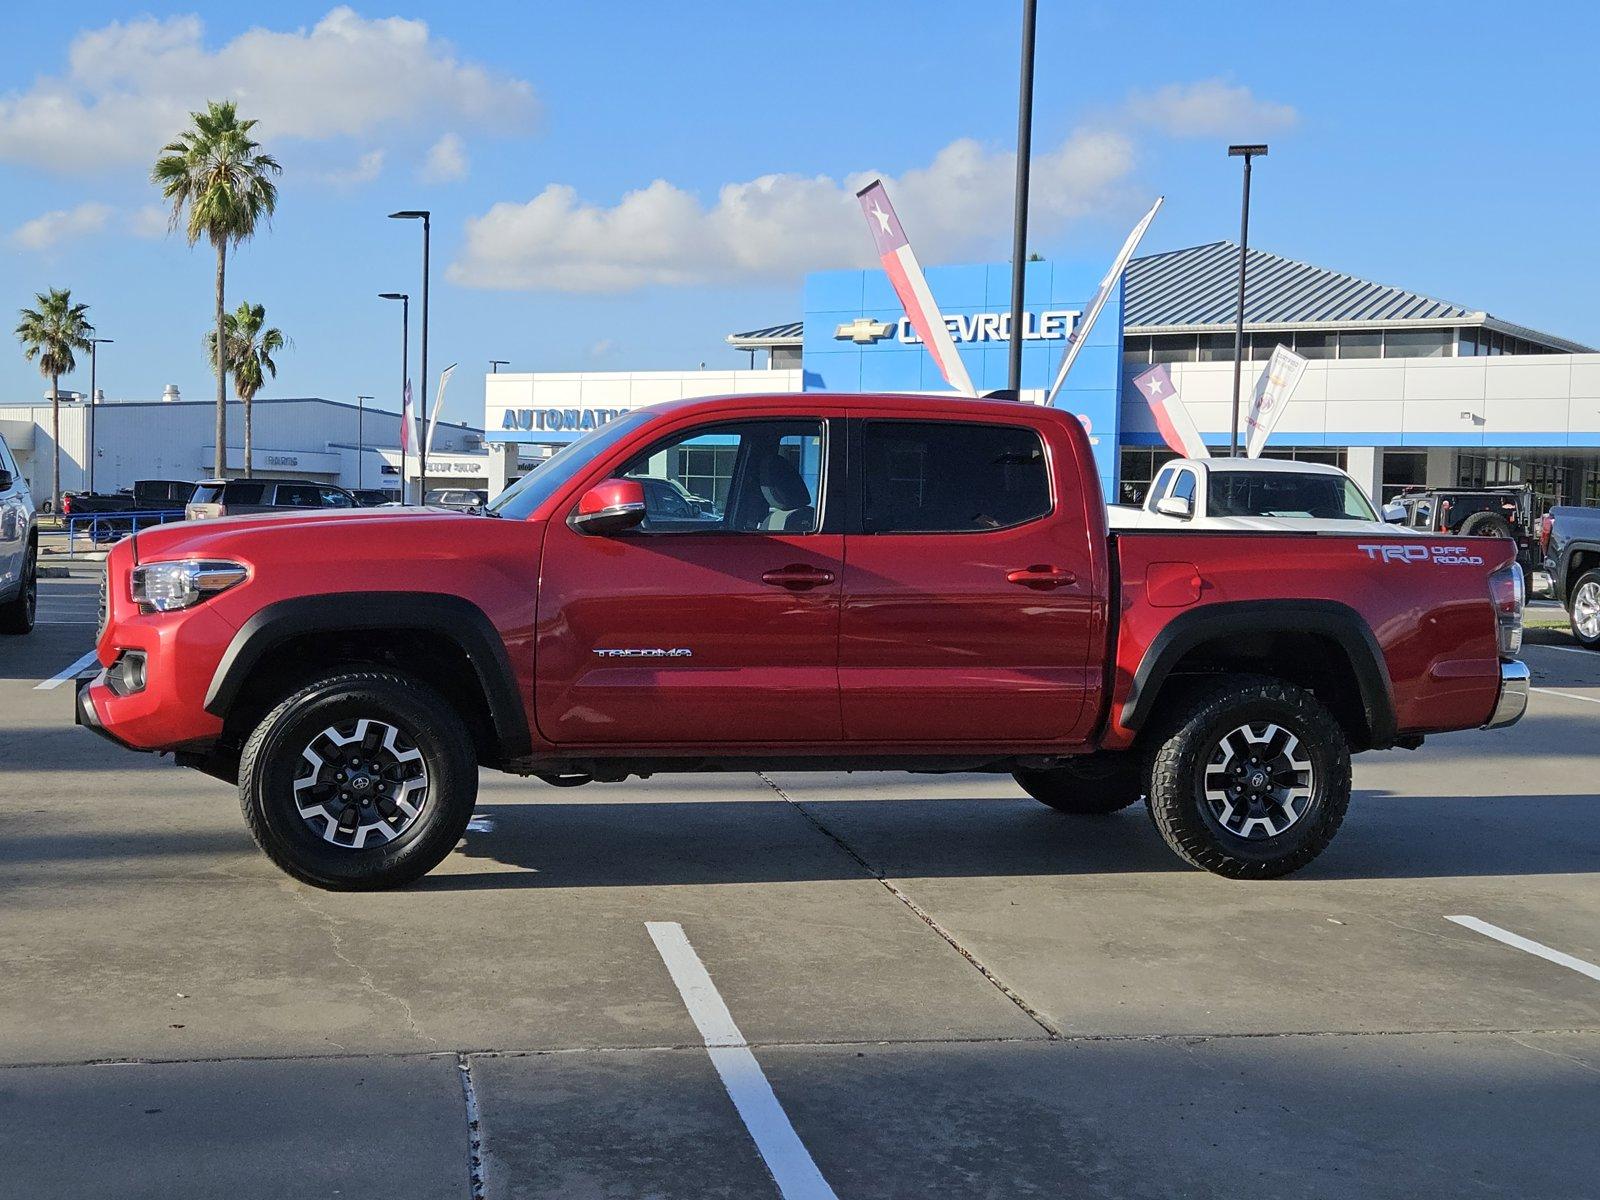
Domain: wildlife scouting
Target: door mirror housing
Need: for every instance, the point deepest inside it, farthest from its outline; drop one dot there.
(611, 506)
(1175, 506)
(1395, 514)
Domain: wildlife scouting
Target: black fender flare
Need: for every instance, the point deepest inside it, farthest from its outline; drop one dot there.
(1340, 623)
(454, 617)
(1564, 577)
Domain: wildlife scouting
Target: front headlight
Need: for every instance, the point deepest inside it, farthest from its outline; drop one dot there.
(166, 586)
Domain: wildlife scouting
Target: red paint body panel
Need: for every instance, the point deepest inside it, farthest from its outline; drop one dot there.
(918, 644)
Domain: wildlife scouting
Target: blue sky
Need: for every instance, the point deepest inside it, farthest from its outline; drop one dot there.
(621, 191)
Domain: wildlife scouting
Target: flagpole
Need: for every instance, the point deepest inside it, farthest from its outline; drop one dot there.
(1019, 235)
(1247, 153)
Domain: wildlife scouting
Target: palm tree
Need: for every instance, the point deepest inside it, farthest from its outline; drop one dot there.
(250, 350)
(219, 173)
(50, 333)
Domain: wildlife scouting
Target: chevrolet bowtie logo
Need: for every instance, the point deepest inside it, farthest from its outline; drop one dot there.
(863, 331)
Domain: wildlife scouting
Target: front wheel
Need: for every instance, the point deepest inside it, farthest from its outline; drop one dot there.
(1583, 606)
(359, 781)
(1250, 778)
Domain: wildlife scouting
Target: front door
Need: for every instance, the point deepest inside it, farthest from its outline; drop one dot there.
(716, 621)
(968, 613)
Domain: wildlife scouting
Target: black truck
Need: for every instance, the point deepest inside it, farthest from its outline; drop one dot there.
(145, 496)
(1570, 538)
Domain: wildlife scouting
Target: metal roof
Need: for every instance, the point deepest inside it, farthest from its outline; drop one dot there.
(787, 334)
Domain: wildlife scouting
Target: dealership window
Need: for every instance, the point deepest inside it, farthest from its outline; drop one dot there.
(1136, 350)
(1364, 343)
(752, 476)
(1314, 345)
(951, 477)
(1216, 347)
(1263, 344)
(1172, 348)
(1418, 343)
(1467, 344)
(1402, 469)
(1138, 467)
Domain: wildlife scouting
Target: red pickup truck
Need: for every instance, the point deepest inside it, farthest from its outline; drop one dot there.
(794, 582)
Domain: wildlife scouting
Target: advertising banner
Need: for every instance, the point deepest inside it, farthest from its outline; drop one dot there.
(1172, 417)
(1272, 394)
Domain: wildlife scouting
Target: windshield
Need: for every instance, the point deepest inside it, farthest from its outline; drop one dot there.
(519, 500)
(1282, 494)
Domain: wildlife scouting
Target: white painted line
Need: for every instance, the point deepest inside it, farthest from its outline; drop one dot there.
(1531, 946)
(66, 673)
(786, 1156)
(1564, 649)
(1567, 695)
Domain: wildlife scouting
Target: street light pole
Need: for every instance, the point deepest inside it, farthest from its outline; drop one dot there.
(496, 363)
(405, 377)
(94, 346)
(361, 442)
(1019, 223)
(1246, 153)
(426, 217)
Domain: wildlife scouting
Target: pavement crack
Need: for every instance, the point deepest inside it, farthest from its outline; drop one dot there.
(1577, 1062)
(922, 914)
(332, 923)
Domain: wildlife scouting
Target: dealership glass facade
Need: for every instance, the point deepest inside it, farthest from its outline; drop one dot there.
(1462, 342)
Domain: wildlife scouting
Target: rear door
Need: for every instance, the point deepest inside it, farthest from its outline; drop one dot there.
(715, 622)
(13, 522)
(968, 610)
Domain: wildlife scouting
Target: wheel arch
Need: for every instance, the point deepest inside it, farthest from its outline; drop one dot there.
(1578, 558)
(440, 634)
(1320, 644)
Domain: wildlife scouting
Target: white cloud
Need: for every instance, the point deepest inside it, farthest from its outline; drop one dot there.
(128, 87)
(446, 161)
(63, 224)
(364, 170)
(149, 221)
(777, 226)
(1210, 108)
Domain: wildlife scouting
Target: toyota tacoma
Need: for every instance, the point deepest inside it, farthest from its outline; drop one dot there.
(873, 582)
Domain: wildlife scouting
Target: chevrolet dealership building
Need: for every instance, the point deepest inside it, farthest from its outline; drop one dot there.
(1401, 389)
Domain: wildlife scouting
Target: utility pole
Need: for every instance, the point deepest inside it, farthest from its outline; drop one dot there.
(1019, 222)
(1246, 153)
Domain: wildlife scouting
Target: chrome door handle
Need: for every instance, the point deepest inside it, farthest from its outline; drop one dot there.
(1041, 576)
(797, 578)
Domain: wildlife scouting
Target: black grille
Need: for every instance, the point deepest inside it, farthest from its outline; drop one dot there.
(100, 626)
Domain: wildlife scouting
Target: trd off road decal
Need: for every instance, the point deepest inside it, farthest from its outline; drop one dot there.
(1449, 556)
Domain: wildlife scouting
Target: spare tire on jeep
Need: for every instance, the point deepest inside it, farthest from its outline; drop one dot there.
(1487, 524)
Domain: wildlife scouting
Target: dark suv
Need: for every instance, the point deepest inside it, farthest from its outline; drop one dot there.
(231, 497)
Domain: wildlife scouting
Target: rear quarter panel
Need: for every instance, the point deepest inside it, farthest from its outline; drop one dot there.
(1425, 600)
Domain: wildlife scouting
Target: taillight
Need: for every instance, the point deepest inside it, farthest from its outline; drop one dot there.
(1507, 593)
(1545, 523)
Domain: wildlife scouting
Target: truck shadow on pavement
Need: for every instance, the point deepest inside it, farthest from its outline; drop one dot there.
(628, 844)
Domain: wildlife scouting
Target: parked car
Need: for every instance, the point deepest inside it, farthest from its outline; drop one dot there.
(1251, 494)
(163, 499)
(1507, 512)
(468, 500)
(19, 548)
(1569, 539)
(374, 497)
(233, 497)
(944, 597)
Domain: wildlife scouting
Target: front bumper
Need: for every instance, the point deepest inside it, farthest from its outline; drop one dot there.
(83, 712)
(1513, 701)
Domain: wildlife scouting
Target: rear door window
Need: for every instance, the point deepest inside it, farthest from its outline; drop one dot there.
(242, 493)
(951, 477)
(298, 495)
(334, 498)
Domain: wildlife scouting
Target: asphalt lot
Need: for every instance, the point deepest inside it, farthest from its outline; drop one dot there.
(950, 989)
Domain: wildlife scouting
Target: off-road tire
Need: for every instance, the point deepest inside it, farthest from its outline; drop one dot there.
(18, 613)
(1093, 785)
(1487, 524)
(272, 758)
(1588, 580)
(1182, 748)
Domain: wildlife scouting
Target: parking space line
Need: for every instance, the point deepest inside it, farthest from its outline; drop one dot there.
(1567, 695)
(1528, 944)
(66, 673)
(1565, 649)
(786, 1156)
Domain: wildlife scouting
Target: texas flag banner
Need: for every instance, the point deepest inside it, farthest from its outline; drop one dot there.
(1273, 390)
(895, 253)
(1172, 417)
(406, 435)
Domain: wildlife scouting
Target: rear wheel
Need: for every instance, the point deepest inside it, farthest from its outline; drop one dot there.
(359, 781)
(1089, 786)
(17, 614)
(1250, 778)
(1583, 605)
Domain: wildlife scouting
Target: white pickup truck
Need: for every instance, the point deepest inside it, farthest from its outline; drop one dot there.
(1252, 494)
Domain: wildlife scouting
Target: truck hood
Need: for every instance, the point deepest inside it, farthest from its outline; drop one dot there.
(186, 539)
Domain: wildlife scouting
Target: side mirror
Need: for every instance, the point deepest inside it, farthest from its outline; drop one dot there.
(1395, 514)
(611, 506)
(1175, 506)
